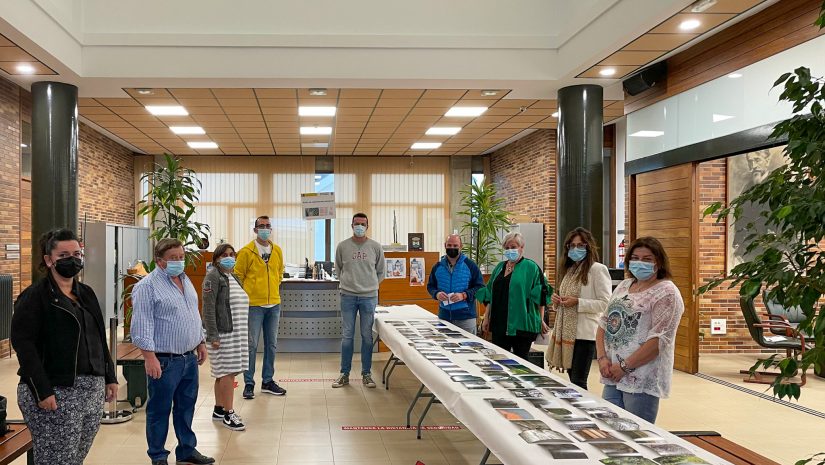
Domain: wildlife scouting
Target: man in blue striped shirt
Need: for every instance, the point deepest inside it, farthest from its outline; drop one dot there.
(166, 327)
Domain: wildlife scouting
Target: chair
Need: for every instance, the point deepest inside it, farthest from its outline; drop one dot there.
(787, 338)
(776, 312)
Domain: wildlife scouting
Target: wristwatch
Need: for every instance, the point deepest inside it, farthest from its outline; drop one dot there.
(623, 365)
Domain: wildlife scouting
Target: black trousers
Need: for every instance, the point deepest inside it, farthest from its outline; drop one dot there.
(583, 353)
(519, 345)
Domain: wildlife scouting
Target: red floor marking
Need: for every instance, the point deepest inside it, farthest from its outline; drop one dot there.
(398, 428)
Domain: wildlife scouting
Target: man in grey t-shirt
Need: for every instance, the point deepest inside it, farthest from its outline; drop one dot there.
(360, 264)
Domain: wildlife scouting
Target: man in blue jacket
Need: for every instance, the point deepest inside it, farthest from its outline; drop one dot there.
(453, 283)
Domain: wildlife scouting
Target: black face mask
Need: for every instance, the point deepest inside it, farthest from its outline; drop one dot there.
(68, 267)
(452, 253)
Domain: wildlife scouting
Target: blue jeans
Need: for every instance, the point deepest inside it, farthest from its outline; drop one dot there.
(175, 391)
(268, 319)
(350, 307)
(468, 325)
(644, 406)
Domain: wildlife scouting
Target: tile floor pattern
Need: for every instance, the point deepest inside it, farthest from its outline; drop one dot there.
(305, 426)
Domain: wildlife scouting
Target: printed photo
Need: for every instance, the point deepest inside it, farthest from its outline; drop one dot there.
(617, 449)
(417, 271)
(599, 412)
(543, 436)
(643, 436)
(578, 423)
(667, 449)
(594, 435)
(396, 268)
(530, 424)
(622, 424)
(565, 451)
(679, 460)
(565, 393)
(476, 385)
(627, 461)
(515, 413)
(527, 393)
(561, 413)
(502, 403)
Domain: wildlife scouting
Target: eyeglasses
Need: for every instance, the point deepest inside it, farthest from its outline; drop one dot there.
(577, 246)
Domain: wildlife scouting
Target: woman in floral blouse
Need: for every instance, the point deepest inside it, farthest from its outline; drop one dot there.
(637, 333)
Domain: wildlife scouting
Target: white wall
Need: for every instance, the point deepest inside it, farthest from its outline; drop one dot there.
(729, 104)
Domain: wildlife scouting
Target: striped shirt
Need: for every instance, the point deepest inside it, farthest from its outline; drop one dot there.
(164, 319)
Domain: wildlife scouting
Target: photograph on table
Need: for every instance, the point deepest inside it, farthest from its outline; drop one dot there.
(530, 424)
(487, 352)
(498, 376)
(455, 371)
(599, 412)
(564, 393)
(565, 451)
(471, 344)
(462, 351)
(450, 345)
(496, 356)
(519, 370)
(502, 403)
(542, 436)
(507, 384)
(466, 378)
(594, 435)
(621, 424)
(667, 449)
(527, 393)
(396, 268)
(476, 385)
(493, 369)
(515, 413)
(483, 363)
(578, 423)
(543, 404)
(679, 460)
(581, 402)
(627, 461)
(643, 436)
(562, 414)
(540, 381)
(616, 449)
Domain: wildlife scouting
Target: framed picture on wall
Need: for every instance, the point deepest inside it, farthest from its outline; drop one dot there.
(396, 268)
(745, 171)
(415, 242)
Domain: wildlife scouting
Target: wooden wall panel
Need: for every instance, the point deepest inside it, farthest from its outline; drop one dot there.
(779, 27)
(673, 222)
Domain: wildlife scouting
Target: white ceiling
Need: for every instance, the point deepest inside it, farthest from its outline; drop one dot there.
(531, 46)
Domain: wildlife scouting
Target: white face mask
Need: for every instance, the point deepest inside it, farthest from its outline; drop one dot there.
(359, 230)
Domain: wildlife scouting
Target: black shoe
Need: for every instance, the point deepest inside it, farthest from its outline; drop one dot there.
(249, 391)
(218, 413)
(160, 462)
(233, 421)
(273, 388)
(196, 459)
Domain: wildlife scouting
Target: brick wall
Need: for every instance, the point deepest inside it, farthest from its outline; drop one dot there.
(9, 177)
(106, 179)
(721, 302)
(524, 173)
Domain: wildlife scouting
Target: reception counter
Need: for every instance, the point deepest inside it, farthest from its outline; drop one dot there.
(310, 316)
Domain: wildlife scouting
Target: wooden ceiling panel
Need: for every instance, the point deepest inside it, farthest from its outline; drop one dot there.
(130, 112)
(199, 111)
(87, 102)
(545, 104)
(332, 94)
(621, 71)
(359, 93)
(279, 103)
(280, 111)
(234, 93)
(4, 42)
(445, 93)
(514, 103)
(40, 69)
(121, 102)
(148, 124)
(152, 93)
(317, 102)
(390, 112)
(440, 103)
(522, 118)
(402, 93)
(159, 101)
(659, 42)
(347, 103)
(707, 22)
(396, 103)
(344, 112)
(729, 6)
(625, 58)
(276, 93)
(501, 111)
(191, 103)
(232, 111)
(192, 94)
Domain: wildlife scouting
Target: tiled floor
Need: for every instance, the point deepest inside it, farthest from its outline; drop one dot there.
(305, 426)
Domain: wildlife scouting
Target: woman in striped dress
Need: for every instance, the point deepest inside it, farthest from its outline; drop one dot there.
(225, 311)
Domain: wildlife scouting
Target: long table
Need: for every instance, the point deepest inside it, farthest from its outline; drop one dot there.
(498, 434)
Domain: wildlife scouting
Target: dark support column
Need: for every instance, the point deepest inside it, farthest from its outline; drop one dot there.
(54, 161)
(580, 136)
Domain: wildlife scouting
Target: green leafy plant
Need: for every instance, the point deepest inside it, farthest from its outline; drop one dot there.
(487, 217)
(789, 259)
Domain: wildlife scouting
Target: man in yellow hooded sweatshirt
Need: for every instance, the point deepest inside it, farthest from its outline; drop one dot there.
(260, 266)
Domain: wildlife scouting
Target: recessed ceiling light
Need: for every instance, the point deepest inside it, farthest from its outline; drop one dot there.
(718, 118)
(315, 145)
(167, 110)
(316, 131)
(608, 72)
(648, 134)
(426, 145)
(202, 145)
(181, 130)
(735, 75)
(444, 131)
(489, 93)
(25, 68)
(466, 112)
(702, 5)
(690, 24)
(145, 91)
(555, 114)
(23, 145)
(317, 92)
(316, 111)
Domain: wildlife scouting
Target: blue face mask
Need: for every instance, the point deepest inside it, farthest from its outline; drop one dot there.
(227, 262)
(511, 254)
(359, 230)
(174, 268)
(641, 270)
(263, 234)
(576, 254)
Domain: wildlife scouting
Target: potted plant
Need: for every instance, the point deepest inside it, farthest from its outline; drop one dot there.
(486, 219)
(169, 203)
(790, 259)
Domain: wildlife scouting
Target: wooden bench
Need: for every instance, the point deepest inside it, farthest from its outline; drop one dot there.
(131, 359)
(16, 442)
(714, 443)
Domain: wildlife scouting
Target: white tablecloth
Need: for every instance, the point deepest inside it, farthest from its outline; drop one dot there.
(493, 430)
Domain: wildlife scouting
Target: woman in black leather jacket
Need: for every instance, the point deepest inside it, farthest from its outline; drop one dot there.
(66, 371)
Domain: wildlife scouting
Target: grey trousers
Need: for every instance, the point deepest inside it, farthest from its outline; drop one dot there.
(64, 436)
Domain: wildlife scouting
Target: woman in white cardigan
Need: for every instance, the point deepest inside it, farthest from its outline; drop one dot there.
(581, 298)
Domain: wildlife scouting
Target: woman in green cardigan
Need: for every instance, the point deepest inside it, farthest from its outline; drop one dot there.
(516, 296)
